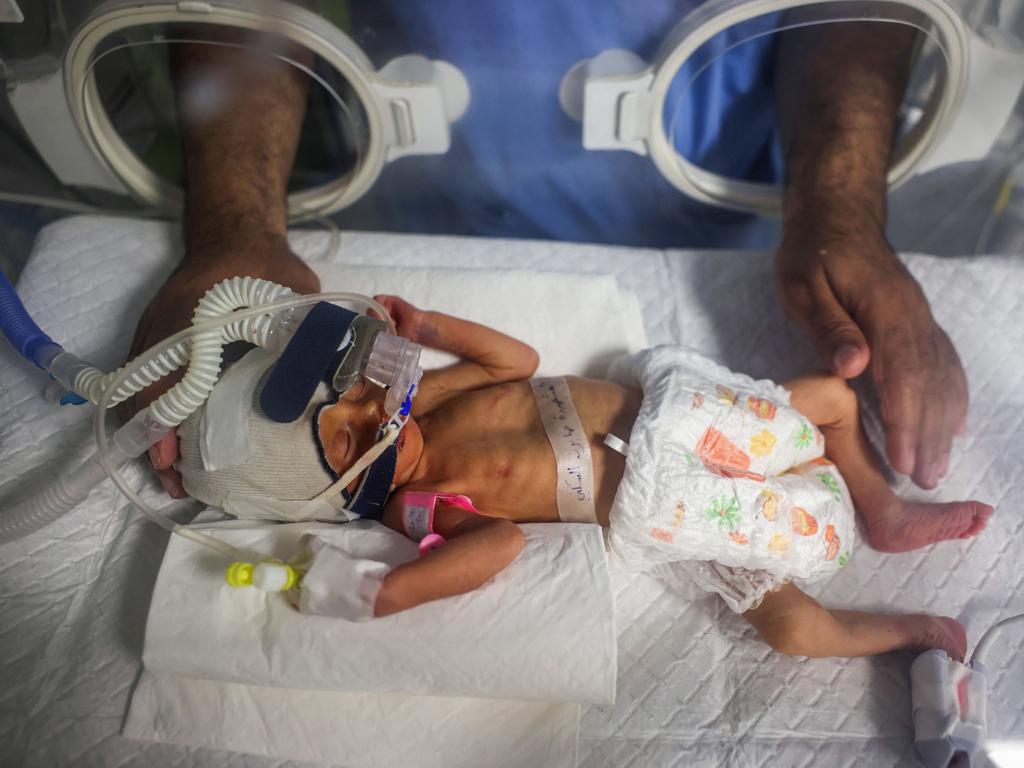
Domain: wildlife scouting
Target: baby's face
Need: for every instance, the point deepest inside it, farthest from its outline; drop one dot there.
(349, 428)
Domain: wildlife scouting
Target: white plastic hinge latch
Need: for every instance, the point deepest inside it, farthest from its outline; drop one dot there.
(610, 95)
(419, 98)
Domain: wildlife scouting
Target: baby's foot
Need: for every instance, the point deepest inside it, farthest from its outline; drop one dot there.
(905, 526)
(942, 632)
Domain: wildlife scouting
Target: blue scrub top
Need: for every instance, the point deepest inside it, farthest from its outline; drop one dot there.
(517, 166)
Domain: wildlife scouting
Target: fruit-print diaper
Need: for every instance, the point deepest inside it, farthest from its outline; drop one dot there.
(725, 482)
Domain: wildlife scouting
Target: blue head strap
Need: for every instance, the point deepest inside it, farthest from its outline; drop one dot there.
(304, 362)
(373, 491)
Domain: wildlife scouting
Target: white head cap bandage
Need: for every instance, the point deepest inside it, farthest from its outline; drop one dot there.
(233, 457)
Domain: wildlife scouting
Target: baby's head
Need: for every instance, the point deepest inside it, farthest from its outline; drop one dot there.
(232, 456)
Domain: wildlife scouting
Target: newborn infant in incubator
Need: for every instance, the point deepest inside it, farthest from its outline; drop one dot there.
(734, 485)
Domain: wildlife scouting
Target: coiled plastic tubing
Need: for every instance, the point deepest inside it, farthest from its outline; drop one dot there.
(246, 309)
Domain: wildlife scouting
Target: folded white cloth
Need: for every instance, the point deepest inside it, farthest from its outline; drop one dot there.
(379, 730)
(541, 630)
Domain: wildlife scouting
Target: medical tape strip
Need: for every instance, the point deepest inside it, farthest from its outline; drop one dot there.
(418, 511)
(575, 480)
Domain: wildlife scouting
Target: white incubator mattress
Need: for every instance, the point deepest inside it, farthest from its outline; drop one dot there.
(695, 684)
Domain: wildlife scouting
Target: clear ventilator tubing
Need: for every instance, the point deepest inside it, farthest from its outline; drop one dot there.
(108, 455)
(135, 437)
(200, 350)
(982, 649)
(72, 488)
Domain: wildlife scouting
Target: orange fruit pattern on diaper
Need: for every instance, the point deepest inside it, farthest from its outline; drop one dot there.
(831, 542)
(680, 514)
(722, 455)
(779, 544)
(661, 534)
(760, 407)
(769, 503)
(803, 522)
(725, 395)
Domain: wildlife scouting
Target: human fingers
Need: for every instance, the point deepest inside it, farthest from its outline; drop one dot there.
(162, 455)
(171, 481)
(920, 381)
(164, 452)
(396, 305)
(943, 412)
(931, 455)
(391, 304)
(900, 375)
(385, 300)
(958, 393)
(407, 317)
(809, 300)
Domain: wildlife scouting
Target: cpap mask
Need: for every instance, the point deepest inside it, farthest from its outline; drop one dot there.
(332, 351)
(314, 341)
(340, 347)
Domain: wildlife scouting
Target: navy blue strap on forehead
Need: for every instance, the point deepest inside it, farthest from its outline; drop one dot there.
(305, 360)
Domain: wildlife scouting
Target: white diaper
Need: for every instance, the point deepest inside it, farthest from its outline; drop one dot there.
(725, 484)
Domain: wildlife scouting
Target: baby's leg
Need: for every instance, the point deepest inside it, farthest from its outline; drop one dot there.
(793, 623)
(893, 525)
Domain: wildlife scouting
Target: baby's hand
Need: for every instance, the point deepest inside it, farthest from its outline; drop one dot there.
(409, 321)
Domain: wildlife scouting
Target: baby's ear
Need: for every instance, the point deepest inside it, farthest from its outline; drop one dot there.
(331, 436)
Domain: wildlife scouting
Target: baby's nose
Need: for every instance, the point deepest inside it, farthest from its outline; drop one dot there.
(369, 413)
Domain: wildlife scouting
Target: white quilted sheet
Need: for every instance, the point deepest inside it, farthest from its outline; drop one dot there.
(695, 686)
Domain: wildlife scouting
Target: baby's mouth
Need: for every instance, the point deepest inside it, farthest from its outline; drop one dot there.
(400, 442)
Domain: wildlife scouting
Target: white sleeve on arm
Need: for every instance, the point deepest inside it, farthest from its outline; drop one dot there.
(340, 584)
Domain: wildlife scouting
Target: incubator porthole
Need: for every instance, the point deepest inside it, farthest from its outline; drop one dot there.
(733, 157)
(123, 108)
(142, 108)
(702, 108)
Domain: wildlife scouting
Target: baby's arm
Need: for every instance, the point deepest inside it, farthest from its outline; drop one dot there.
(477, 548)
(487, 356)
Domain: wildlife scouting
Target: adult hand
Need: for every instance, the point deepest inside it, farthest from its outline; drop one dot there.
(265, 256)
(861, 307)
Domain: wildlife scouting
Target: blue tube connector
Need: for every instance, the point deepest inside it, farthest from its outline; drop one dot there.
(19, 328)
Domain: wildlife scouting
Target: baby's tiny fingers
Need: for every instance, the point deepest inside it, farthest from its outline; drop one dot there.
(164, 452)
(171, 481)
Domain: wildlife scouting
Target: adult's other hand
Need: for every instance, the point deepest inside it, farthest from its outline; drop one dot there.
(862, 309)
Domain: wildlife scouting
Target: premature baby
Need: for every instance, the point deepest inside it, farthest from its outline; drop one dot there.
(736, 485)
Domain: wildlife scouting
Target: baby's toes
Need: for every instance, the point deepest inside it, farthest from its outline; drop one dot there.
(982, 512)
(954, 638)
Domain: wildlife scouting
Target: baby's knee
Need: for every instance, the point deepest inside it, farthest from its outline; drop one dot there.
(838, 399)
(787, 634)
(791, 622)
(838, 392)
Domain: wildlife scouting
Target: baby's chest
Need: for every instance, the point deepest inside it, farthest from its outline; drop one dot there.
(508, 473)
(491, 445)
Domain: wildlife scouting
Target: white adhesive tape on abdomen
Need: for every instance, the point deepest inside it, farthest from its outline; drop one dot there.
(575, 470)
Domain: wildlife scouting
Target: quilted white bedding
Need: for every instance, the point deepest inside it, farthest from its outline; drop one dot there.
(695, 686)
